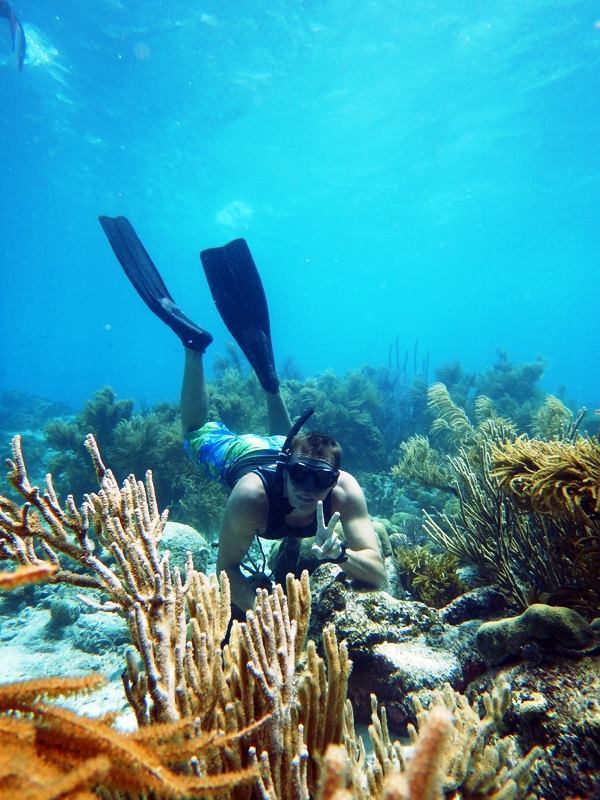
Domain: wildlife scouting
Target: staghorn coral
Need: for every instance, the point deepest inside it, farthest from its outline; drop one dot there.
(21, 576)
(454, 753)
(86, 752)
(51, 752)
(101, 414)
(479, 764)
(420, 778)
(134, 443)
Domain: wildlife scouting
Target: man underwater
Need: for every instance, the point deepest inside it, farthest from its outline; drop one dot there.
(282, 487)
(16, 34)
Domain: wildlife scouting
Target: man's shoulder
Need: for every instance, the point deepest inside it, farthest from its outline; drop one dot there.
(250, 490)
(247, 505)
(347, 483)
(347, 492)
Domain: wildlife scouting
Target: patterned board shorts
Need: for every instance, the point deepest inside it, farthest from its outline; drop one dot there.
(219, 451)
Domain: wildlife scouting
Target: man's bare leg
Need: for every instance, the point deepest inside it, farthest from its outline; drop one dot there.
(279, 418)
(194, 393)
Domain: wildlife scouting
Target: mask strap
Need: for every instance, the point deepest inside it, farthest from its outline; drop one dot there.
(285, 453)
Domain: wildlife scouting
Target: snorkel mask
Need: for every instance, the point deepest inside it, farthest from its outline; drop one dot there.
(312, 474)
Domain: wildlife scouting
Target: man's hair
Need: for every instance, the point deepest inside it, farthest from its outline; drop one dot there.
(318, 445)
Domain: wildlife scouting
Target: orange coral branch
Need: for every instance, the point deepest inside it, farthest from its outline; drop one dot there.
(24, 693)
(424, 774)
(31, 573)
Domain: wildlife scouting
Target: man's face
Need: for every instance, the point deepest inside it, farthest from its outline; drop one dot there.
(308, 480)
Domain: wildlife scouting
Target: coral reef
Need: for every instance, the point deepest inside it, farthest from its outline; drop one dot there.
(51, 753)
(460, 384)
(450, 420)
(20, 411)
(236, 397)
(514, 388)
(397, 646)
(556, 706)
(420, 463)
(261, 703)
(527, 516)
(558, 484)
(479, 763)
(473, 762)
(520, 552)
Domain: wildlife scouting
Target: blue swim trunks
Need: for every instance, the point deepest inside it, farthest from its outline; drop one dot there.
(227, 456)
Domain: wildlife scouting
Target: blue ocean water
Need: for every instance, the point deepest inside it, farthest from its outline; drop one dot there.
(411, 171)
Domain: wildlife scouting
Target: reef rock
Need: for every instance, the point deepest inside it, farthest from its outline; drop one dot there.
(556, 705)
(480, 603)
(178, 539)
(396, 646)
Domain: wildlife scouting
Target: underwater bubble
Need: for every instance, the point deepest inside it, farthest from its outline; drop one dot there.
(142, 51)
(208, 19)
(235, 214)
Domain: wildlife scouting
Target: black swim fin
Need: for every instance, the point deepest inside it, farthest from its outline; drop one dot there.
(146, 280)
(17, 33)
(240, 299)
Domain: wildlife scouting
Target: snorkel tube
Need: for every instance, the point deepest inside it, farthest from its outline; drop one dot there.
(286, 452)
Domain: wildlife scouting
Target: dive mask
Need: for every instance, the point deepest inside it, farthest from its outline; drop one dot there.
(312, 473)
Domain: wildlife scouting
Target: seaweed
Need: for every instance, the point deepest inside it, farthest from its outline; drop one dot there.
(431, 577)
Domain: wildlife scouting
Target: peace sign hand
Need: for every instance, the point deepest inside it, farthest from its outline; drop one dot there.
(327, 542)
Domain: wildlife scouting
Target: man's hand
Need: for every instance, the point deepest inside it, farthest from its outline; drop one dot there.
(327, 542)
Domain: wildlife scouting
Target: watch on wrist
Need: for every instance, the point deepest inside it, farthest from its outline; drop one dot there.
(342, 556)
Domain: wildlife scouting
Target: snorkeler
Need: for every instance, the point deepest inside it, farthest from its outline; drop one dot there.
(17, 35)
(282, 487)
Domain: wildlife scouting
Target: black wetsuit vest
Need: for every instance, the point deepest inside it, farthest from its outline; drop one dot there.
(277, 527)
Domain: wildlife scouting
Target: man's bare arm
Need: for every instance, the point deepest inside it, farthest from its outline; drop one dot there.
(242, 518)
(365, 562)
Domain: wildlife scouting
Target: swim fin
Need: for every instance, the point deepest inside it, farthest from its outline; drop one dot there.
(17, 33)
(146, 280)
(240, 299)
